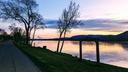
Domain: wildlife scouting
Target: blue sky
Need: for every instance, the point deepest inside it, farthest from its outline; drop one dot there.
(100, 14)
(89, 9)
(104, 15)
(52, 9)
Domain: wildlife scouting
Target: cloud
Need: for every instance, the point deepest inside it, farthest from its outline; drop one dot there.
(97, 24)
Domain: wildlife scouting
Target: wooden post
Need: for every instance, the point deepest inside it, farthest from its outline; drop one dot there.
(80, 50)
(97, 52)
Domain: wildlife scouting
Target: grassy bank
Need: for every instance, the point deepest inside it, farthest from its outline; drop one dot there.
(49, 61)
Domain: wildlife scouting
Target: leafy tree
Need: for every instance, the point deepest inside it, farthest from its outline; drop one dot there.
(68, 20)
(22, 11)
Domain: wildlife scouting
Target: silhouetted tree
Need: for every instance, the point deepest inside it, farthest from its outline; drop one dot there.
(36, 26)
(17, 33)
(67, 21)
(3, 35)
(23, 11)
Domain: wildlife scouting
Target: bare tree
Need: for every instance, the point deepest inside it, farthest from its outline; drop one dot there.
(23, 11)
(68, 20)
(38, 24)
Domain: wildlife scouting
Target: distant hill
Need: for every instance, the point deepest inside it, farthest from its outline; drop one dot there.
(124, 34)
(86, 37)
(121, 37)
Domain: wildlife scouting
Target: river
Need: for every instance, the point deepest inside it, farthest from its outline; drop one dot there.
(114, 53)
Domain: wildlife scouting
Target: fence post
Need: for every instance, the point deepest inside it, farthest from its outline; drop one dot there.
(97, 52)
(80, 50)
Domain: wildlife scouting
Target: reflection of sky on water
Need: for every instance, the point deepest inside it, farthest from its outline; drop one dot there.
(111, 53)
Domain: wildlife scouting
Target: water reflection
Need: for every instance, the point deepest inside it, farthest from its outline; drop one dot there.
(115, 53)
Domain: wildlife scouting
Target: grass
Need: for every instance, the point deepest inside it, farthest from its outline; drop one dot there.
(49, 61)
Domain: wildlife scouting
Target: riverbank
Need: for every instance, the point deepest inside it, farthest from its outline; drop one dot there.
(49, 61)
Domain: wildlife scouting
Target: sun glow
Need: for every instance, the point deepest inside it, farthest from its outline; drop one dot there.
(52, 33)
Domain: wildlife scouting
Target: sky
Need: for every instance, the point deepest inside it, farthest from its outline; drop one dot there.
(100, 16)
(107, 16)
(89, 9)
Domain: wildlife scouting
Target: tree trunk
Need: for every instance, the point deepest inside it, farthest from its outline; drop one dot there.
(58, 44)
(33, 36)
(62, 42)
(27, 37)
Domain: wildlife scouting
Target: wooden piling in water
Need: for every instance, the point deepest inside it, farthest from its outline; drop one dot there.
(80, 50)
(97, 52)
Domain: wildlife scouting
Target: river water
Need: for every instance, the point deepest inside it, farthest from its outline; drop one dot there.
(114, 53)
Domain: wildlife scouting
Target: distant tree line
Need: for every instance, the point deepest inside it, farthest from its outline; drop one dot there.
(3, 35)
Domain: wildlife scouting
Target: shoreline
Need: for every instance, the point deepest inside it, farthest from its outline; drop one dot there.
(55, 62)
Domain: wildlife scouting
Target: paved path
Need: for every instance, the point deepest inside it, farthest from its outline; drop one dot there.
(13, 60)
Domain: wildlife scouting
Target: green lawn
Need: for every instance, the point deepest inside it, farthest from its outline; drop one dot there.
(49, 61)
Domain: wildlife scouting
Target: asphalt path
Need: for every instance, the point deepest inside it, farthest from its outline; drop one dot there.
(13, 60)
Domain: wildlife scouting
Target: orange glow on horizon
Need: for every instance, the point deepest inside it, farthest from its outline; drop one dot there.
(52, 33)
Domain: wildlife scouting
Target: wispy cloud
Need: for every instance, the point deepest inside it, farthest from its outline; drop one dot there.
(97, 24)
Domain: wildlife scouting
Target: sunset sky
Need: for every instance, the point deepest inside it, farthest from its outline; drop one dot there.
(89, 9)
(100, 16)
(103, 16)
